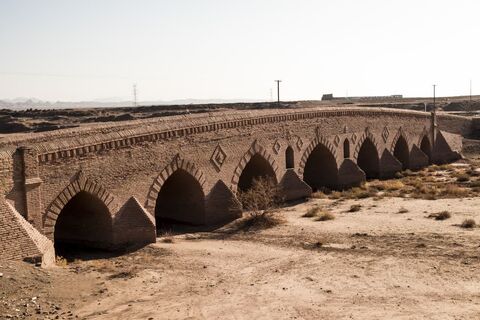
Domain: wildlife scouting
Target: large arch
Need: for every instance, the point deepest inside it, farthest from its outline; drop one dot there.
(78, 185)
(321, 168)
(180, 199)
(368, 159)
(258, 167)
(85, 222)
(177, 194)
(263, 165)
(401, 152)
(426, 147)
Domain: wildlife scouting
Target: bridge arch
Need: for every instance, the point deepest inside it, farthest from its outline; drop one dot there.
(177, 194)
(319, 164)
(81, 215)
(366, 154)
(400, 149)
(255, 163)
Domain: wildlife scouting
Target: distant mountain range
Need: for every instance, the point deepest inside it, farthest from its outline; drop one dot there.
(33, 103)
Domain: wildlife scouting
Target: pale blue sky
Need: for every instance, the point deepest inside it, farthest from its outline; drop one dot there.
(206, 49)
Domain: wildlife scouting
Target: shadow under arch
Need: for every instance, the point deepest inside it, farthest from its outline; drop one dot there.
(256, 168)
(368, 159)
(401, 152)
(426, 147)
(254, 164)
(85, 222)
(180, 199)
(321, 168)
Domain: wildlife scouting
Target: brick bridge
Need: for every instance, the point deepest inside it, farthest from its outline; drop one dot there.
(108, 185)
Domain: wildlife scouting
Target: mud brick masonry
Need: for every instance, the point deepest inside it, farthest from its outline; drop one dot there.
(108, 185)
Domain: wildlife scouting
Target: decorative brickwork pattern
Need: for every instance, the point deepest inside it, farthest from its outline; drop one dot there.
(79, 184)
(366, 135)
(256, 148)
(177, 163)
(318, 140)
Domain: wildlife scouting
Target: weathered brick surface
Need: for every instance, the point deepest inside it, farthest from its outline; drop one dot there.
(19, 239)
(135, 158)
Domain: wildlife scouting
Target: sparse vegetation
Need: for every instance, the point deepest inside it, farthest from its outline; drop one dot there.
(355, 208)
(312, 212)
(468, 224)
(259, 203)
(324, 216)
(402, 210)
(442, 215)
(463, 177)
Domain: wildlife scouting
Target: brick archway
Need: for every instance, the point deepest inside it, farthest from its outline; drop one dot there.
(177, 163)
(79, 185)
(365, 136)
(255, 149)
(319, 140)
(400, 134)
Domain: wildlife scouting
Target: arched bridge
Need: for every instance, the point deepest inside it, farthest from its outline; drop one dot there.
(108, 184)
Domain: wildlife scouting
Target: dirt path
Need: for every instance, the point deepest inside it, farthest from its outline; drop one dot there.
(372, 264)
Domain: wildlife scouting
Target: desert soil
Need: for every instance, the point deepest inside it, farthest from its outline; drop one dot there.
(376, 263)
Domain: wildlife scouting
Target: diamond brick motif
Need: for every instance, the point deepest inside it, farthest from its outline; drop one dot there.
(299, 143)
(354, 138)
(218, 157)
(336, 140)
(276, 147)
(385, 134)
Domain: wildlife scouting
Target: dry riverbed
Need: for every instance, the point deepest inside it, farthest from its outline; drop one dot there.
(386, 260)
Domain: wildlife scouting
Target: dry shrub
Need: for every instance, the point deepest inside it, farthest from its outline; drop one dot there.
(393, 185)
(335, 195)
(61, 261)
(474, 184)
(259, 202)
(407, 173)
(402, 210)
(359, 193)
(443, 215)
(261, 196)
(468, 224)
(462, 177)
(312, 212)
(355, 208)
(426, 192)
(398, 175)
(433, 168)
(324, 216)
(452, 190)
(319, 195)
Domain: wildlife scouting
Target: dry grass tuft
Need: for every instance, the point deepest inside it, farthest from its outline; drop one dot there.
(402, 210)
(454, 191)
(324, 216)
(319, 195)
(462, 177)
(468, 224)
(355, 208)
(61, 261)
(443, 215)
(312, 212)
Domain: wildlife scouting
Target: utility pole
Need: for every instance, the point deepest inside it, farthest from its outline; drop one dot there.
(470, 90)
(135, 95)
(278, 90)
(434, 105)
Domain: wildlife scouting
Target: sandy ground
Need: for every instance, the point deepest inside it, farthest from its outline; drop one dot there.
(372, 264)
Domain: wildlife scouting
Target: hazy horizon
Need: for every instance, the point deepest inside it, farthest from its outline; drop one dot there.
(224, 50)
